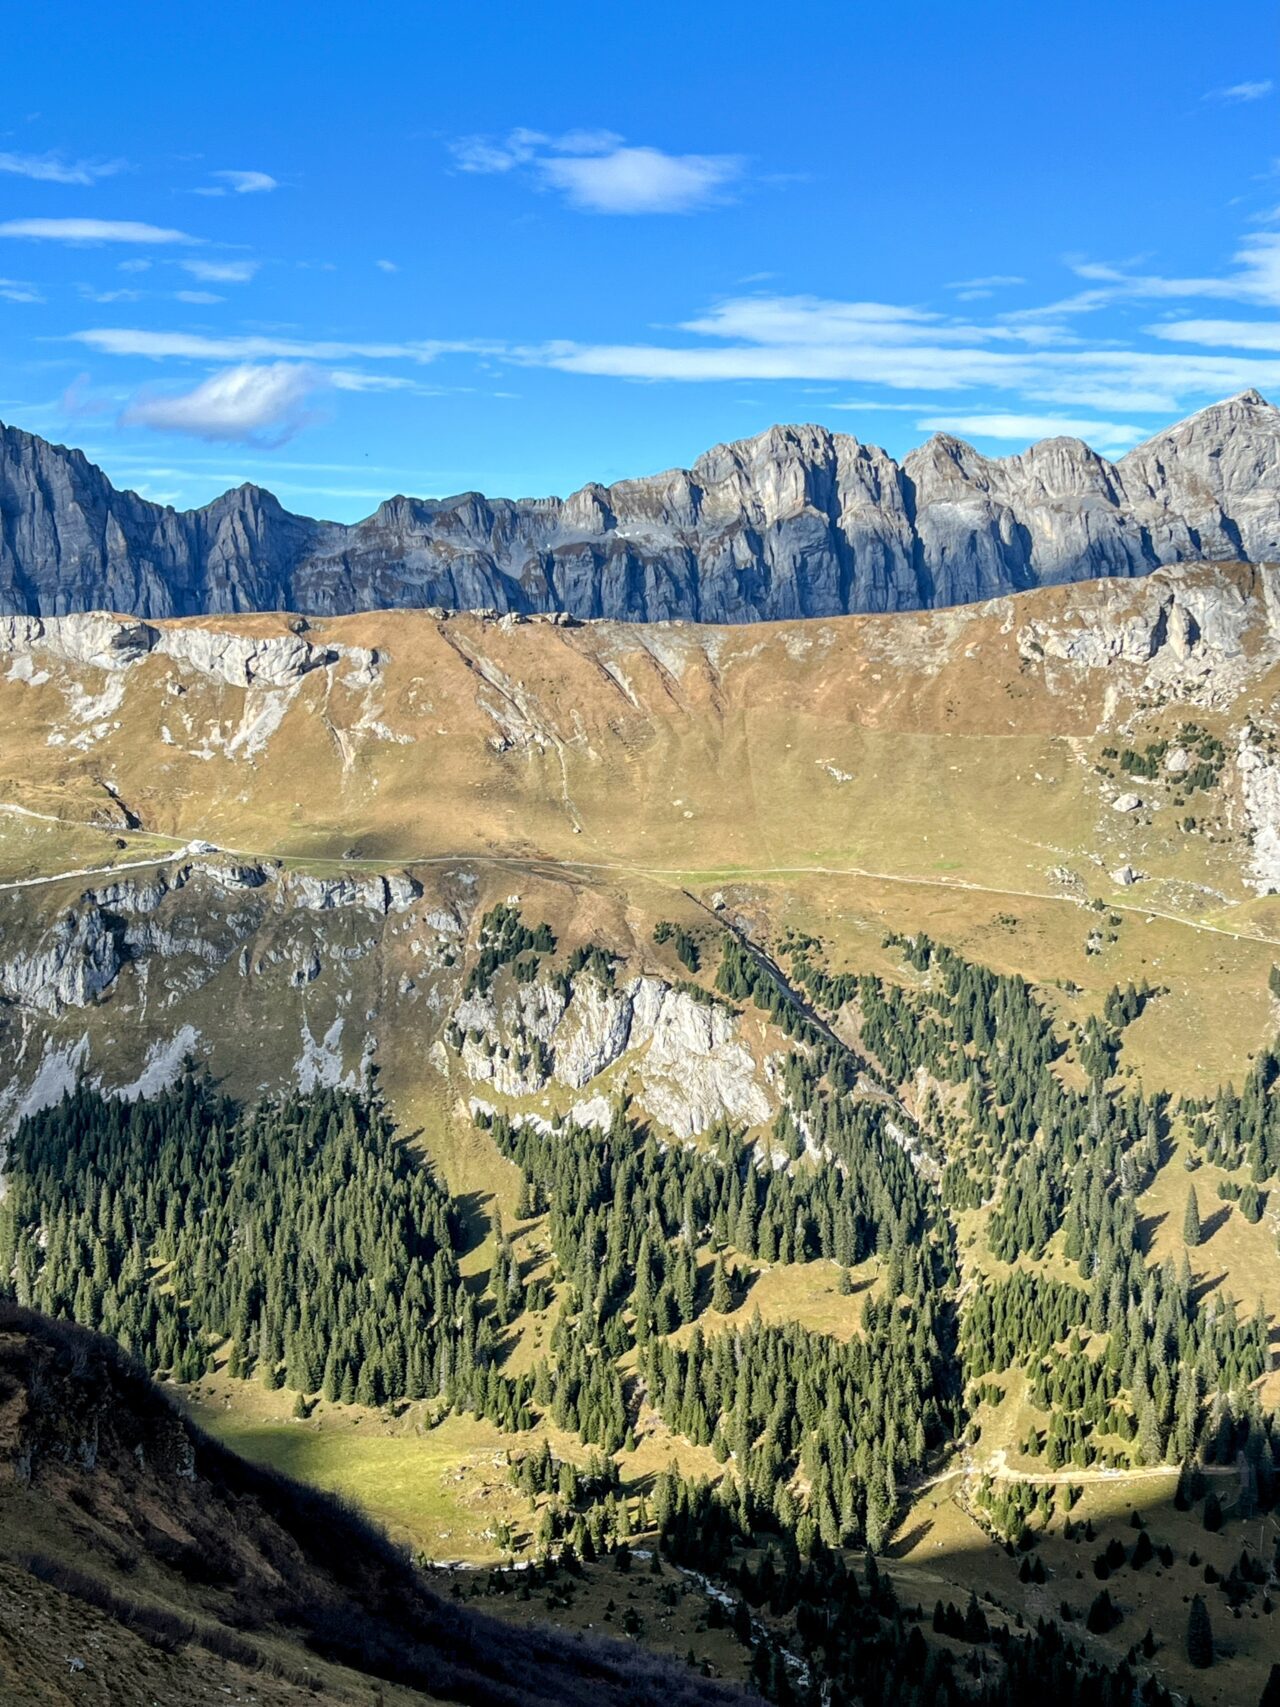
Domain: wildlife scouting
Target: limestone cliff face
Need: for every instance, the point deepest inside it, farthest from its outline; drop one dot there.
(798, 521)
(74, 959)
(240, 660)
(691, 1065)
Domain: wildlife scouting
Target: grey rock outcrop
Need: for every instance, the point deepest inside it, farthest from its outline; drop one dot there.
(73, 963)
(693, 1067)
(376, 894)
(241, 660)
(798, 521)
(244, 661)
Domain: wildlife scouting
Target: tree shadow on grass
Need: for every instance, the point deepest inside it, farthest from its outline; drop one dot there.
(1214, 1223)
(1203, 1288)
(910, 1538)
(1148, 1226)
(474, 1220)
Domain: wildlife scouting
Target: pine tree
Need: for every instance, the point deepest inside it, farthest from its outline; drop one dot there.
(1191, 1230)
(1199, 1634)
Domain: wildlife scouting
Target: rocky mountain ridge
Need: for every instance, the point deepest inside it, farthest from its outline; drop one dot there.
(796, 522)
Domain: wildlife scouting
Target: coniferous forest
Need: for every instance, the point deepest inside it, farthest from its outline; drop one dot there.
(303, 1242)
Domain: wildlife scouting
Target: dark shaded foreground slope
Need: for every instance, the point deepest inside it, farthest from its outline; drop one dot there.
(141, 1562)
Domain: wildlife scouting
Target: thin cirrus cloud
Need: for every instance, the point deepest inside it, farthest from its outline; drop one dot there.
(975, 290)
(240, 184)
(1235, 93)
(1005, 376)
(18, 290)
(902, 348)
(262, 405)
(125, 294)
(598, 172)
(198, 346)
(93, 231)
(220, 272)
(53, 169)
(1233, 334)
(1026, 428)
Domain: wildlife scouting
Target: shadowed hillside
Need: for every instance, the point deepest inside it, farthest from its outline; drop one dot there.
(168, 1567)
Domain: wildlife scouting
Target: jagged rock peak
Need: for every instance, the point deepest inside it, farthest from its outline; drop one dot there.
(795, 521)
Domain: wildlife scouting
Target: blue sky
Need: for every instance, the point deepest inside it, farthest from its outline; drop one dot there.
(349, 251)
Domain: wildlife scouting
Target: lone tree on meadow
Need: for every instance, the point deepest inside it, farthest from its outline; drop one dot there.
(1199, 1634)
(1191, 1221)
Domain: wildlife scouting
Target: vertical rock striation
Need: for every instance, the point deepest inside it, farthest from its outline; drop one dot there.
(798, 521)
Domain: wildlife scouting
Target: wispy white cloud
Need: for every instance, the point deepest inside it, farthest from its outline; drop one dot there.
(197, 296)
(19, 290)
(641, 180)
(263, 405)
(355, 379)
(905, 349)
(239, 184)
(125, 294)
(1237, 92)
(351, 379)
(875, 404)
(53, 169)
(124, 341)
(787, 320)
(221, 272)
(1002, 376)
(977, 290)
(1025, 429)
(1231, 334)
(1255, 278)
(93, 231)
(598, 172)
(988, 281)
(520, 147)
(386, 266)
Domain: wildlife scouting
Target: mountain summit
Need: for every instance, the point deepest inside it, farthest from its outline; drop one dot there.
(798, 521)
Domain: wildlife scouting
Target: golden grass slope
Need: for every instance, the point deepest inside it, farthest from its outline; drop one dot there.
(937, 744)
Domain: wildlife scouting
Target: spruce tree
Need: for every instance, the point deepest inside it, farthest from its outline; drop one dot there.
(1191, 1230)
(1199, 1634)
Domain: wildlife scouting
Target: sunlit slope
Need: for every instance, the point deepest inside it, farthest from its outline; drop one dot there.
(956, 772)
(950, 745)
